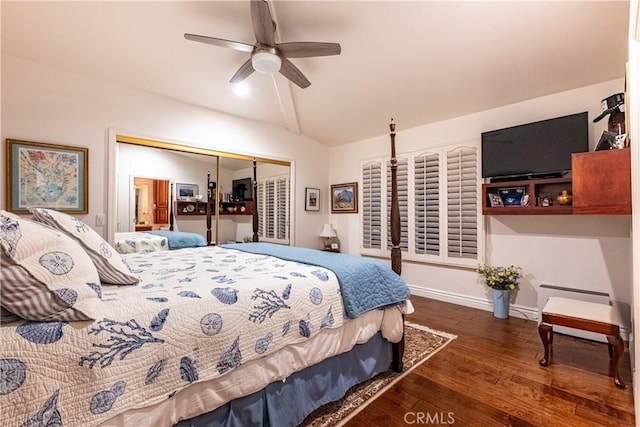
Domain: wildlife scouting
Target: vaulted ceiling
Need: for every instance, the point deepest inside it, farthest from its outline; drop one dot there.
(417, 61)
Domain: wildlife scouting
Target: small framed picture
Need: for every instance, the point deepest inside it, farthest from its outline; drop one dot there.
(495, 200)
(312, 199)
(344, 198)
(186, 191)
(607, 141)
(620, 141)
(545, 200)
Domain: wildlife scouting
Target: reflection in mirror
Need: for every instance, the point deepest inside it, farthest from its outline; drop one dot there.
(151, 204)
(273, 185)
(238, 201)
(233, 197)
(154, 171)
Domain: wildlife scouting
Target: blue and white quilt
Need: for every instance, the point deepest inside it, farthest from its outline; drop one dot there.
(365, 283)
(197, 314)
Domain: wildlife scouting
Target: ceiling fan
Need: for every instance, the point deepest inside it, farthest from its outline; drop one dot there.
(267, 56)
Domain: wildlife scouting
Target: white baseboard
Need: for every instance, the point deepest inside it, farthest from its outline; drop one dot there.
(515, 310)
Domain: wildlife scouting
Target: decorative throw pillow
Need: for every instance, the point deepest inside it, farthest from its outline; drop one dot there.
(45, 274)
(111, 267)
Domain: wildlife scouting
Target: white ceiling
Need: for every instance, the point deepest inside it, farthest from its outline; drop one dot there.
(418, 61)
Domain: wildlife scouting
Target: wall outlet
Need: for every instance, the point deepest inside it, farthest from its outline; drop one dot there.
(100, 220)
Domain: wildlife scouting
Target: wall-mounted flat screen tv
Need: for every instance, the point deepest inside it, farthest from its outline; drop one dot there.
(535, 149)
(242, 189)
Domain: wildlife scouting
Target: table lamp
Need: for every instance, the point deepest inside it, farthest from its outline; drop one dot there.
(327, 232)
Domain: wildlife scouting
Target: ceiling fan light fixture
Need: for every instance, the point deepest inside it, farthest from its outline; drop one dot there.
(266, 62)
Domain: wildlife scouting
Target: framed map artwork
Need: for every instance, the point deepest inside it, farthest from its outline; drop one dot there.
(46, 176)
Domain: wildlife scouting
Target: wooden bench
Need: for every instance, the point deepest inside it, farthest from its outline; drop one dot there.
(587, 316)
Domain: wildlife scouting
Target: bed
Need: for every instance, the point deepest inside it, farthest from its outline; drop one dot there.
(241, 334)
(156, 240)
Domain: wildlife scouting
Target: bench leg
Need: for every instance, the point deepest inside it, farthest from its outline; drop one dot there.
(615, 342)
(546, 335)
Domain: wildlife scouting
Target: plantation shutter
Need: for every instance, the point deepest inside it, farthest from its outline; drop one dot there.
(462, 203)
(427, 204)
(402, 175)
(282, 205)
(260, 203)
(372, 205)
(273, 209)
(267, 211)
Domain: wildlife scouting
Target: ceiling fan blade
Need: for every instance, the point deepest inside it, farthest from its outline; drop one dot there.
(243, 72)
(308, 49)
(292, 72)
(243, 47)
(263, 25)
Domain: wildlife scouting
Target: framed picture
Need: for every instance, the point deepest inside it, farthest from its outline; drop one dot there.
(46, 175)
(495, 200)
(606, 142)
(312, 199)
(344, 198)
(186, 191)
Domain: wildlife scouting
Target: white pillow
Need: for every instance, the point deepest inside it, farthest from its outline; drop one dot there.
(111, 267)
(45, 274)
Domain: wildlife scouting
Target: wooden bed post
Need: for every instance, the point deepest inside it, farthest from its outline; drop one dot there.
(396, 253)
(255, 202)
(171, 205)
(208, 208)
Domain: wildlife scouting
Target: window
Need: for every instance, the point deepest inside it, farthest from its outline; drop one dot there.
(426, 215)
(273, 209)
(402, 184)
(438, 199)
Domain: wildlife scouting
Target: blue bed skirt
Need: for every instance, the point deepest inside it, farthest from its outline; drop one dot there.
(288, 403)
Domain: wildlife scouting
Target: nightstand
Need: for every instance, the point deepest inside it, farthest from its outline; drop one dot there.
(331, 250)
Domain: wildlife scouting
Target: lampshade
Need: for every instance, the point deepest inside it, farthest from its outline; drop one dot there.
(327, 231)
(266, 62)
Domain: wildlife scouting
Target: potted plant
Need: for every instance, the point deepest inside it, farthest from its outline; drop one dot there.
(502, 280)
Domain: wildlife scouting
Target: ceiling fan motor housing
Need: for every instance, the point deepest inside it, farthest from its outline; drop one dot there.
(266, 62)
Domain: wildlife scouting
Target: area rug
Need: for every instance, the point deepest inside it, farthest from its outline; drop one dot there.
(421, 343)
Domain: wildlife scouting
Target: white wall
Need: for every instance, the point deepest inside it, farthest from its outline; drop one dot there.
(574, 251)
(49, 105)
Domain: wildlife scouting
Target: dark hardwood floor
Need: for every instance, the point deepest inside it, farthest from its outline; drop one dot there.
(489, 376)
